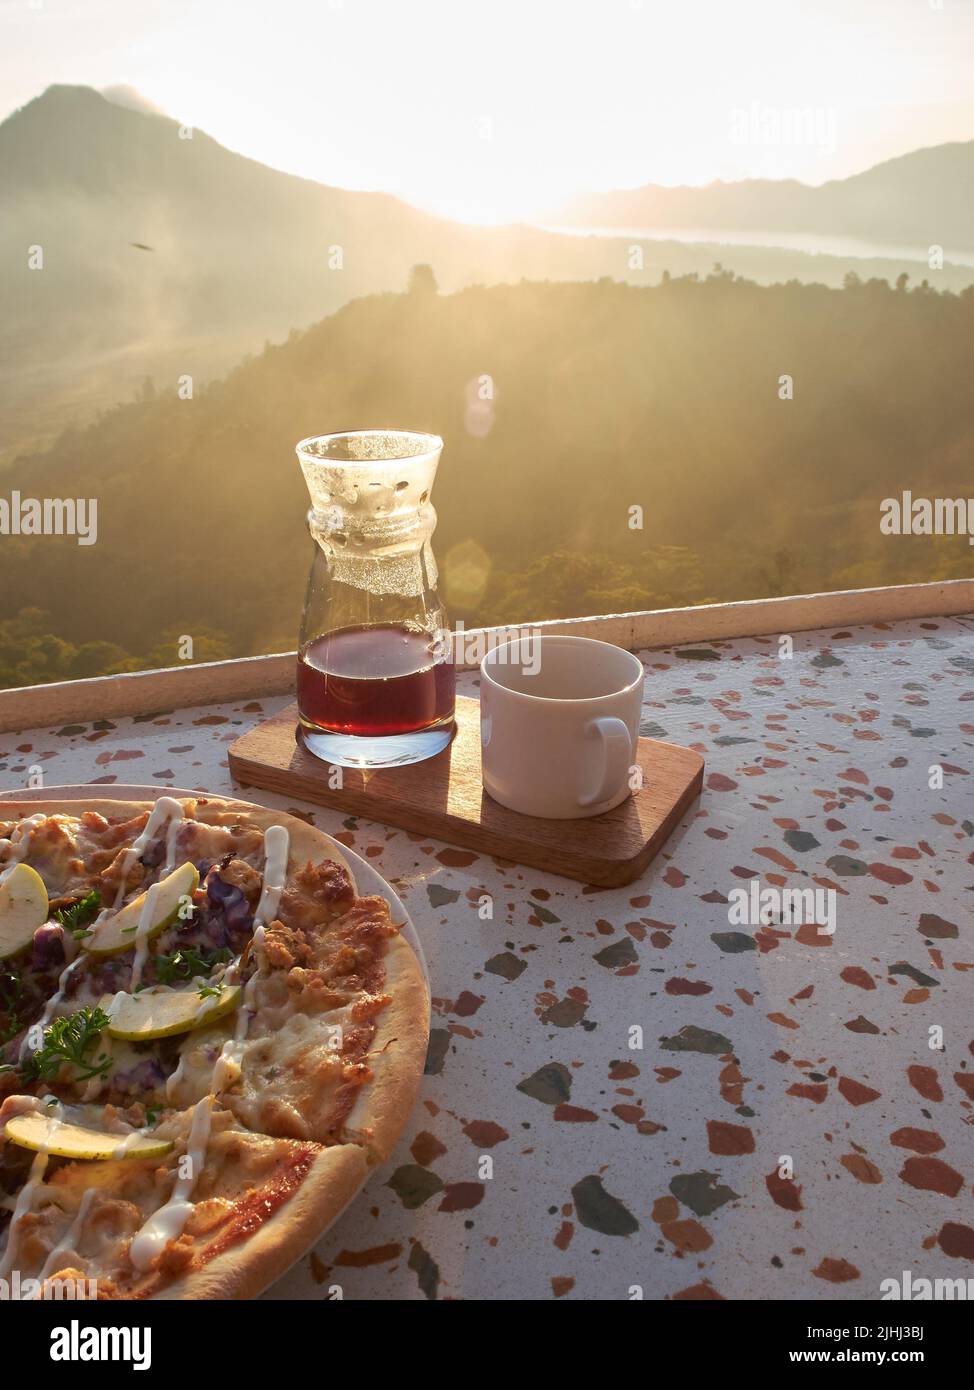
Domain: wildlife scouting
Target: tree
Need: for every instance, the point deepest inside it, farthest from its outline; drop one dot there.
(422, 280)
(30, 654)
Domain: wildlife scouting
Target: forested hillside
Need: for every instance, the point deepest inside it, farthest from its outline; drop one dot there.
(563, 406)
(133, 246)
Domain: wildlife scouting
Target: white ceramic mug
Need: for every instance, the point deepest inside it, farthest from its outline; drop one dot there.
(559, 720)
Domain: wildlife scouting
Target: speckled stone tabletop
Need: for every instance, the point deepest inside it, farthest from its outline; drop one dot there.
(628, 1093)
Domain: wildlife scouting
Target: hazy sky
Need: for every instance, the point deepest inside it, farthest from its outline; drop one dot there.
(493, 109)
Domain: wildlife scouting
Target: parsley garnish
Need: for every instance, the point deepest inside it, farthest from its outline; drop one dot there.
(152, 1113)
(210, 991)
(68, 1040)
(187, 963)
(76, 917)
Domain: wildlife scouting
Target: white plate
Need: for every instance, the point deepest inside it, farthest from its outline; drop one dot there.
(367, 879)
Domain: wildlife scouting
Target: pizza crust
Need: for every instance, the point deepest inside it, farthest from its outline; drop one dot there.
(396, 1058)
(246, 1269)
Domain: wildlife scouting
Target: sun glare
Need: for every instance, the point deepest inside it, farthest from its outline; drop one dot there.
(493, 113)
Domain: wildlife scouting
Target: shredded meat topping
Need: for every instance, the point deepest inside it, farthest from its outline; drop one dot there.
(242, 876)
(318, 893)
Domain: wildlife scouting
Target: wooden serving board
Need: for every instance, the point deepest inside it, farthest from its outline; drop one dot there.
(443, 798)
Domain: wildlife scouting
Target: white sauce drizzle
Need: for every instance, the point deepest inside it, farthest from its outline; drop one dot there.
(175, 1078)
(244, 1007)
(52, 1005)
(106, 912)
(165, 809)
(276, 841)
(276, 847)
(70, 1236)
(25, 1202)
(129, 1142)
(19, 842)
(174, 826)
(146, 923)
(167, 1223)
(227, 1066)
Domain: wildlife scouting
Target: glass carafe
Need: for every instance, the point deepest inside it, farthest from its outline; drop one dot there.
(375, 671)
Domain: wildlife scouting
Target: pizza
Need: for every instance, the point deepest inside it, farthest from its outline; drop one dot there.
(207, 1039)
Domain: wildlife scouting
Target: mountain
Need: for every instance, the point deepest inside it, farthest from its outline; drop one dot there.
(149, 235)
(604, 397)
(166, 254)
(163, 255)
(925, 197)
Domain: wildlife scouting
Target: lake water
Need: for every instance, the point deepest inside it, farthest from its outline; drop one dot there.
(787, 241)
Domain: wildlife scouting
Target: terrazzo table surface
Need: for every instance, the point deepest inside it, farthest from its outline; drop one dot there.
(549, 1154)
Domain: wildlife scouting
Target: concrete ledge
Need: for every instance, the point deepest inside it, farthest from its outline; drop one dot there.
(212, 683)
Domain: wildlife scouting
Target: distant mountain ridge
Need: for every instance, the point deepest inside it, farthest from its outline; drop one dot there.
(131, 246)
(88, 178)
(926, 196)
(129, 251)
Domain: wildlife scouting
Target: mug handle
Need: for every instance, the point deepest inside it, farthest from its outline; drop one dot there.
(617, 755)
